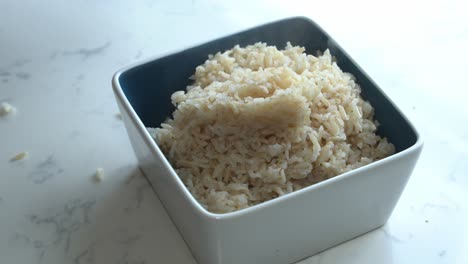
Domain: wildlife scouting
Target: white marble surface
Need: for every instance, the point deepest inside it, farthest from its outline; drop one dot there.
(56, 62)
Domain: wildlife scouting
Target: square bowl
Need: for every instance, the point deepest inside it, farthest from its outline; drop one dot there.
(290, 227)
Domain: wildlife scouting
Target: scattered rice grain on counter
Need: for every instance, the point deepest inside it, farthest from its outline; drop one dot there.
(259, 122)
(19, 156)
(99, 175)
(119, 116)
(6, 109)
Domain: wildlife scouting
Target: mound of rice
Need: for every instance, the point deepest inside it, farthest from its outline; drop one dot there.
(259, 122)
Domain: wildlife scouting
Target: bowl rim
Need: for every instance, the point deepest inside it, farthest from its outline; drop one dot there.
(200, 210)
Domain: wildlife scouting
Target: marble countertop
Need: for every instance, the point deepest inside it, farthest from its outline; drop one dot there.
(56, 62)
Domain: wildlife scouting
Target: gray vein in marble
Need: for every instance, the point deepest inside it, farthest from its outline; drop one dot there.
(4, 73)
(447, 200)
(87, 53)
(122, 236)
(452, 203)
(142, 185)
(445, 203)
(390, 236)
(65, 223)
(39, 246)
(16, 64)
(8, 70)
(434, 206)
(87, 256)
(45, 170)
(22, 75)
(133, 176)
(140, 191)
(20, 62)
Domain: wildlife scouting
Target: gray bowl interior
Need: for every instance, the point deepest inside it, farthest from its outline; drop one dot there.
(148, 87)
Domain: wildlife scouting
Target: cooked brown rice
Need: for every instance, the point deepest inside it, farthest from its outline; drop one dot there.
(259, 122)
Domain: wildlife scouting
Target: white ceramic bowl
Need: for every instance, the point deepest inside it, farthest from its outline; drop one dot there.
(293, 226)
